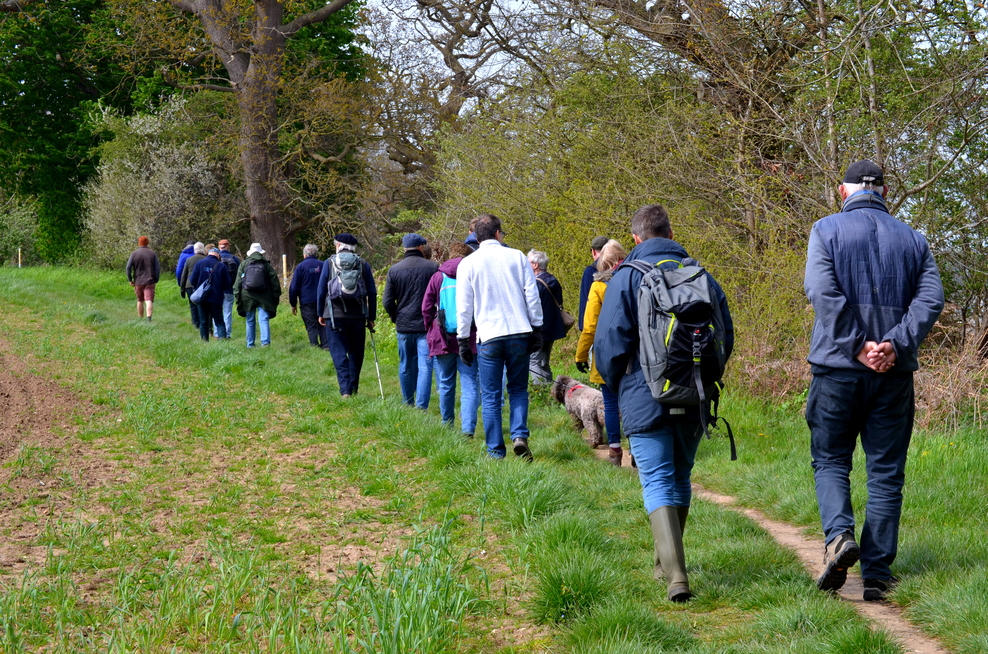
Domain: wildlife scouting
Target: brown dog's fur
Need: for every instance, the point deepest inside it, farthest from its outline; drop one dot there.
(585, 404)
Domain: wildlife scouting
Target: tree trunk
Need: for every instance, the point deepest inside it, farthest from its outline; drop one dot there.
(257, 94)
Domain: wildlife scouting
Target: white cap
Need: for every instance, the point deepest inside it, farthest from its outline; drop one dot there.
(255, 247)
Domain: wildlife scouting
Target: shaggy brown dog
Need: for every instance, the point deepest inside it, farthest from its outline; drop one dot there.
(585, 404)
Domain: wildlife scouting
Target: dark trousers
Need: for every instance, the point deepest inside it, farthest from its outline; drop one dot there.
(316, 332)
(880, 407)
(346, 345)
(194, 309)
(207, 313)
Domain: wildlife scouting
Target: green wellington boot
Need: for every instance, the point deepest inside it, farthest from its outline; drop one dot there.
(670, 558)
(683, 512)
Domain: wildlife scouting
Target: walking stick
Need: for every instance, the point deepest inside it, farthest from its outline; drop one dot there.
(377, 364)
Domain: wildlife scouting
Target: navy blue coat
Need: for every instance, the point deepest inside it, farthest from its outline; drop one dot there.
(585, 283)
(869, 277)
(348, 308)
(220, 282)
(551, 299)
(304, 288)
(616, 342)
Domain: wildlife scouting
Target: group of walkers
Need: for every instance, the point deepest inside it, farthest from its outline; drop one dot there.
(489, 315)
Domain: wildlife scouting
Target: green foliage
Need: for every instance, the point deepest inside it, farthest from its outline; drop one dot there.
(18, 226)
(46, 83)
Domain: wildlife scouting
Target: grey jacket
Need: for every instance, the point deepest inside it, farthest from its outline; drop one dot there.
(869, 277)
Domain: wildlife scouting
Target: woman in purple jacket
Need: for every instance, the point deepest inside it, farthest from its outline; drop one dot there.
(444, 347)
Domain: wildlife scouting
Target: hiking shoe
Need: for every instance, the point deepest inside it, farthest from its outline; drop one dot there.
(840, 555)
(876, 590)
(521, 448)
(614, 455)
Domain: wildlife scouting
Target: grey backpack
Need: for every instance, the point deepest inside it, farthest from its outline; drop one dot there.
(682, 337)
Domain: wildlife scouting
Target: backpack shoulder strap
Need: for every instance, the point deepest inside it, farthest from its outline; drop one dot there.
(639, 265)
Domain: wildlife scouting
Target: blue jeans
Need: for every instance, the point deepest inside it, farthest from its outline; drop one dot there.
(879, 407)
(414, 369)
(260, 318)
(447, 366)
(612, 415)
(509, 357)
(228, 313)
(665, 461)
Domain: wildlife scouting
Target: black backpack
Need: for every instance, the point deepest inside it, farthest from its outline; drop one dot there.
(231, 264)
(255, 277)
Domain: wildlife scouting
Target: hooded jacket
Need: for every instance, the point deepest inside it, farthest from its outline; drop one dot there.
(616, 342)
(440, 342)
(403, 291)
(185, 254)
(190, 263)
(212, 268)
(869, 277)
(267, 299)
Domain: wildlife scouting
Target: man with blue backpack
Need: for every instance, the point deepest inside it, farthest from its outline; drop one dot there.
(666, 369)
(347, 299)
(232, 263)
(439, 317)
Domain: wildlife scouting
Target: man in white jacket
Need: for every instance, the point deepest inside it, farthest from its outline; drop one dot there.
(496, 291)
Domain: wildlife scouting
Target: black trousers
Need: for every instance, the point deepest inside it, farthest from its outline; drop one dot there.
(194, 308)
(317, 333)
(346, 345)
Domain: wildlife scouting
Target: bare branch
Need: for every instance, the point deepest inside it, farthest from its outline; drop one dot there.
(188, 6)
(327, 160)
(201, 87)
(313, 17)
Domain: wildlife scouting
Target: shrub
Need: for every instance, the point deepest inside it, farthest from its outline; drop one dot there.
(18, 224)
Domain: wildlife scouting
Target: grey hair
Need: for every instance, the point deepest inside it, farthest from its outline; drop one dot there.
(540, 259)
(341, 247)
(310, 250)
(199, 247)
(854, 188)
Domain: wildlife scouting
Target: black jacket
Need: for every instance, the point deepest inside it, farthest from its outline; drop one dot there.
(551, 298)
(404, 289)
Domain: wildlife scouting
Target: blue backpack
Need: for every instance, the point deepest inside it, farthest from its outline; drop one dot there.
(447, 305)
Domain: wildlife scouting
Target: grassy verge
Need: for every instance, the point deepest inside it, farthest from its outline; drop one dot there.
(220, 499)
(943, 554)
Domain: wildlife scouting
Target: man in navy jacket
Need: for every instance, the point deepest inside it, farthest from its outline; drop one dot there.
(876, 293)
(663, 440)
(304, 290)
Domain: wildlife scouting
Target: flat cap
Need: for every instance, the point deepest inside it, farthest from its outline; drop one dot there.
(346, 239)
(598, 243)
(412, 240)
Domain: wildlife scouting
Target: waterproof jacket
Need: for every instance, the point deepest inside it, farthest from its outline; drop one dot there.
(590, 318)
(185, 254)
(471, 241)
(440, 342)
(219, 283)
(616, 342)
(267, 299)
(403, 291)
(232, 263)
(344, 308)
(551, 299)
(190, 263)
(585, 283)
(143, 267)
(305, 281)
(869, 277)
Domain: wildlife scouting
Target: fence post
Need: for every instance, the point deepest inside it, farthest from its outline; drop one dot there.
(284, 269)
(18, 257)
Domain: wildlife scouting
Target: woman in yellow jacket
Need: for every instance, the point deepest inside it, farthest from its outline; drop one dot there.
(610, 257)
